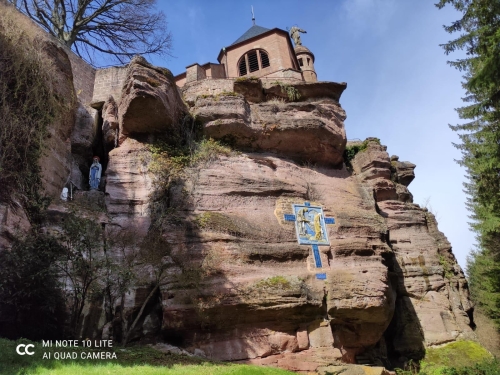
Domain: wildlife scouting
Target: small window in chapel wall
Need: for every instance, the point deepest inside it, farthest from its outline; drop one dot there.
(243, 67)
(264, 59)
(253, 62)
(301, 62)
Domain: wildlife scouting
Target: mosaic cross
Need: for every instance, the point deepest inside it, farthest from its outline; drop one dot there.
(310, 226)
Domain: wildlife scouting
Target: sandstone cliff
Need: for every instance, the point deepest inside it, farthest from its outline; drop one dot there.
(226, 278)
(237, 286)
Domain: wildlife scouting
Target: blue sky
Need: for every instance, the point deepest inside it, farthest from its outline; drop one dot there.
(399, 87)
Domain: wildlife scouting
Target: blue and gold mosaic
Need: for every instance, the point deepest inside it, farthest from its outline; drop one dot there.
(310, 225)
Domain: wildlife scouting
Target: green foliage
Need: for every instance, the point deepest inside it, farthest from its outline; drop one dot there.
(351, 151)
(447, 267)
(275, 282)
(247, 79)
(43, 274)
(488, 367)
(483, 270)
(228, 93)
(457, 354)
(457, 358)
(153, 82)
(28, 104)
(31, 301)
(83, 265)
(291, 92)
(218, 222)
(168, 164)
(479, 36)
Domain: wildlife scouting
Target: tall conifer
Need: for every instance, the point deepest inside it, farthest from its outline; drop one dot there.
(479, 37)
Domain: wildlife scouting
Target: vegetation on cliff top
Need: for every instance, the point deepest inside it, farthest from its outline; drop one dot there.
(351, 151)
(479, 28)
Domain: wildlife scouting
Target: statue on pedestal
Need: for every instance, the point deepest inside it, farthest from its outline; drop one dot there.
(295, 34)
(64, 194)
(95, 173)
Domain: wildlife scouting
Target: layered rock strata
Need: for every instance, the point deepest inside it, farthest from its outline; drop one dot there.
(150, 101)
(307, 132)
(236, 285)
(240, 288)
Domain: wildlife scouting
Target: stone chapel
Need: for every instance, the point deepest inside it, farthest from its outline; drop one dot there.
(260, 52)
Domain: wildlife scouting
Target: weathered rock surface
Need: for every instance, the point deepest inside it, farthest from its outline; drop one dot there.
(430, 284)
(402, 171)
(251, 89)
(56, 162)
(150, 101)
(352, 370)
(389, 182)
(13, 223)
(240, 288)
(128, 185)
(357, 303)
(110, 122)
(82, 137)
(236, 285)
(307, 132)
(308, 91)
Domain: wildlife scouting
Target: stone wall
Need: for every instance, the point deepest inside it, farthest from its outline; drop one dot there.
(206, 87)
(83, 78)
(270, 81)
(109, 81)
(195, 73)
(216, 71)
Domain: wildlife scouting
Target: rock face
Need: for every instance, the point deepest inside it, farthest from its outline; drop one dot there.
(232, 282)
(110, 123)
(150, 100)
(241, 288)
(56, 163)
(307, 132)
(128, 185)
(388, 178)
(13, 222)
(238, 286)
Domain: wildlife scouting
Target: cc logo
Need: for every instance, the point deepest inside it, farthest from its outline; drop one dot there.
(22, 349)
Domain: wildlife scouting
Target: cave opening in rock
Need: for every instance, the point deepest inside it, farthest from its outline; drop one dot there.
(99, 146)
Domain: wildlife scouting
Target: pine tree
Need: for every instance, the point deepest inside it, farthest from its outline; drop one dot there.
(479, 30)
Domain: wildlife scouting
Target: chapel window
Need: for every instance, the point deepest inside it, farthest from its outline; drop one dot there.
(264, 59)
(253, 61)
(243, 67)
(301, 62)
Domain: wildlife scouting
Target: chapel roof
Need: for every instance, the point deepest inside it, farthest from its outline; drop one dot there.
(250, 33)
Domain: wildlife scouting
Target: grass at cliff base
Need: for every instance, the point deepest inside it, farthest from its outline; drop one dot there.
(138, 360)
(458, 358)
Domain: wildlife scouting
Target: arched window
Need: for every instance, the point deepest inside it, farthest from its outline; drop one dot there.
(253, 61)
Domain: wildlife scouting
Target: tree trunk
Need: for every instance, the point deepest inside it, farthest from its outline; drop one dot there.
(150, 295)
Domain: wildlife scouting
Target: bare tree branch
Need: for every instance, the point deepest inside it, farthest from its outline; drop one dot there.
(118, 29)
